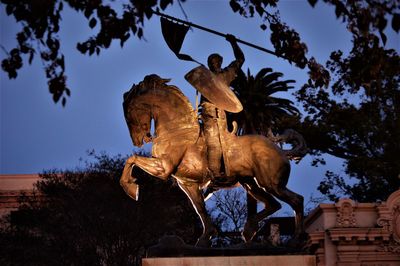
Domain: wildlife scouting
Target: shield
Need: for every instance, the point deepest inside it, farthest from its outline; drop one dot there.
(214, 89)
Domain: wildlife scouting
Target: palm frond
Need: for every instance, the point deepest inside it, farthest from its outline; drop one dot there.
(261, 111)
(261, 73)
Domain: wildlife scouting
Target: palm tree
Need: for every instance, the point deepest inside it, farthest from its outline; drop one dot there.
(262, 112)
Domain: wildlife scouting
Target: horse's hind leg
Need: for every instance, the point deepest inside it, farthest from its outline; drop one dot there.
(296, 202)
(271, 205)
(192, 190)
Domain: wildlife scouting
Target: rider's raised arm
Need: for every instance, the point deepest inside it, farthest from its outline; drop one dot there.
(239, 56)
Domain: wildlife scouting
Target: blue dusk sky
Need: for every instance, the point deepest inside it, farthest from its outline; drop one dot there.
(37, 134)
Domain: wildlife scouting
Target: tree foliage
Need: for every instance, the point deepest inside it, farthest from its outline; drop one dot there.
(364, 132)
(262, 112)
(120, 21)
(83, 217)
(40, 20)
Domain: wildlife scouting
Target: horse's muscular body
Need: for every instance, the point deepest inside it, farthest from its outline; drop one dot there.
(179, 150)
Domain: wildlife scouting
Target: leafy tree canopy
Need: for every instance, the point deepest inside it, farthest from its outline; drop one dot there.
(365, 134)
(40, 20)
(83, 217)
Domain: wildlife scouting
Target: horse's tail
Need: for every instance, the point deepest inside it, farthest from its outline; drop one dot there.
(299, 147)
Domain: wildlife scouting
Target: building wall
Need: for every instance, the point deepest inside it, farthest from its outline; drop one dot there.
(11, 187)
(356, 234)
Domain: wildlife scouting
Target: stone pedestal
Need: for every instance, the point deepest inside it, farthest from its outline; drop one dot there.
(172, 251)
(297, 260)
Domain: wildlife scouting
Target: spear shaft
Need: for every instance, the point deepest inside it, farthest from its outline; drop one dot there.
(214, 32)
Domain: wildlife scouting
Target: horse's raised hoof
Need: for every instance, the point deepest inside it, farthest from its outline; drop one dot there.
(249, 231)
(131, 189)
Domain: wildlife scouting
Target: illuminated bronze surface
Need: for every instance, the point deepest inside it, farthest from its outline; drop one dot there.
(214, 88)
(179, 150)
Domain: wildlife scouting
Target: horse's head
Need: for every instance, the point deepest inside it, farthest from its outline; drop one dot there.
(139, 124)
(154, 99)
(137, 115)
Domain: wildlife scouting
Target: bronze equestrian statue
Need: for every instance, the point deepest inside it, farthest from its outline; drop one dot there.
(180, 150)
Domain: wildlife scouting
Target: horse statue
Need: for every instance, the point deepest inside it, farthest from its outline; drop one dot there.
(179, 150)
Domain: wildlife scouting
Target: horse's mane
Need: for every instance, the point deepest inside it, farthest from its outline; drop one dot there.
(158, 85)
(175, 90)
(154, 82)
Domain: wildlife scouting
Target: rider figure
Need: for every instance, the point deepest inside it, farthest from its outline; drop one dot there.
(210, 113)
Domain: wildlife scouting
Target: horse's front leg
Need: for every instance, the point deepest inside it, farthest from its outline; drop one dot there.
(128, 182)
(158, 167)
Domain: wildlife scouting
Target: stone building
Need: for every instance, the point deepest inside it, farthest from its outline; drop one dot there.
(11, 187)
(351, 233)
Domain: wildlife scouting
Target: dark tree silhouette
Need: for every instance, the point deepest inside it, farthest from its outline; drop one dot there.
(41, 18)
(228, 212)
(83, 217)
(365, 134)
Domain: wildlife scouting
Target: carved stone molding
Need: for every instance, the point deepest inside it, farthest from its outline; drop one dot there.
(389, 220)
(346, 213)
(357, 234)
(395, 222)
(392, 247)
(389, 215)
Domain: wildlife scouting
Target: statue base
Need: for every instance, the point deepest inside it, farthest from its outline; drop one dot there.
(298, 260)
(174, 246)
(171, 250)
